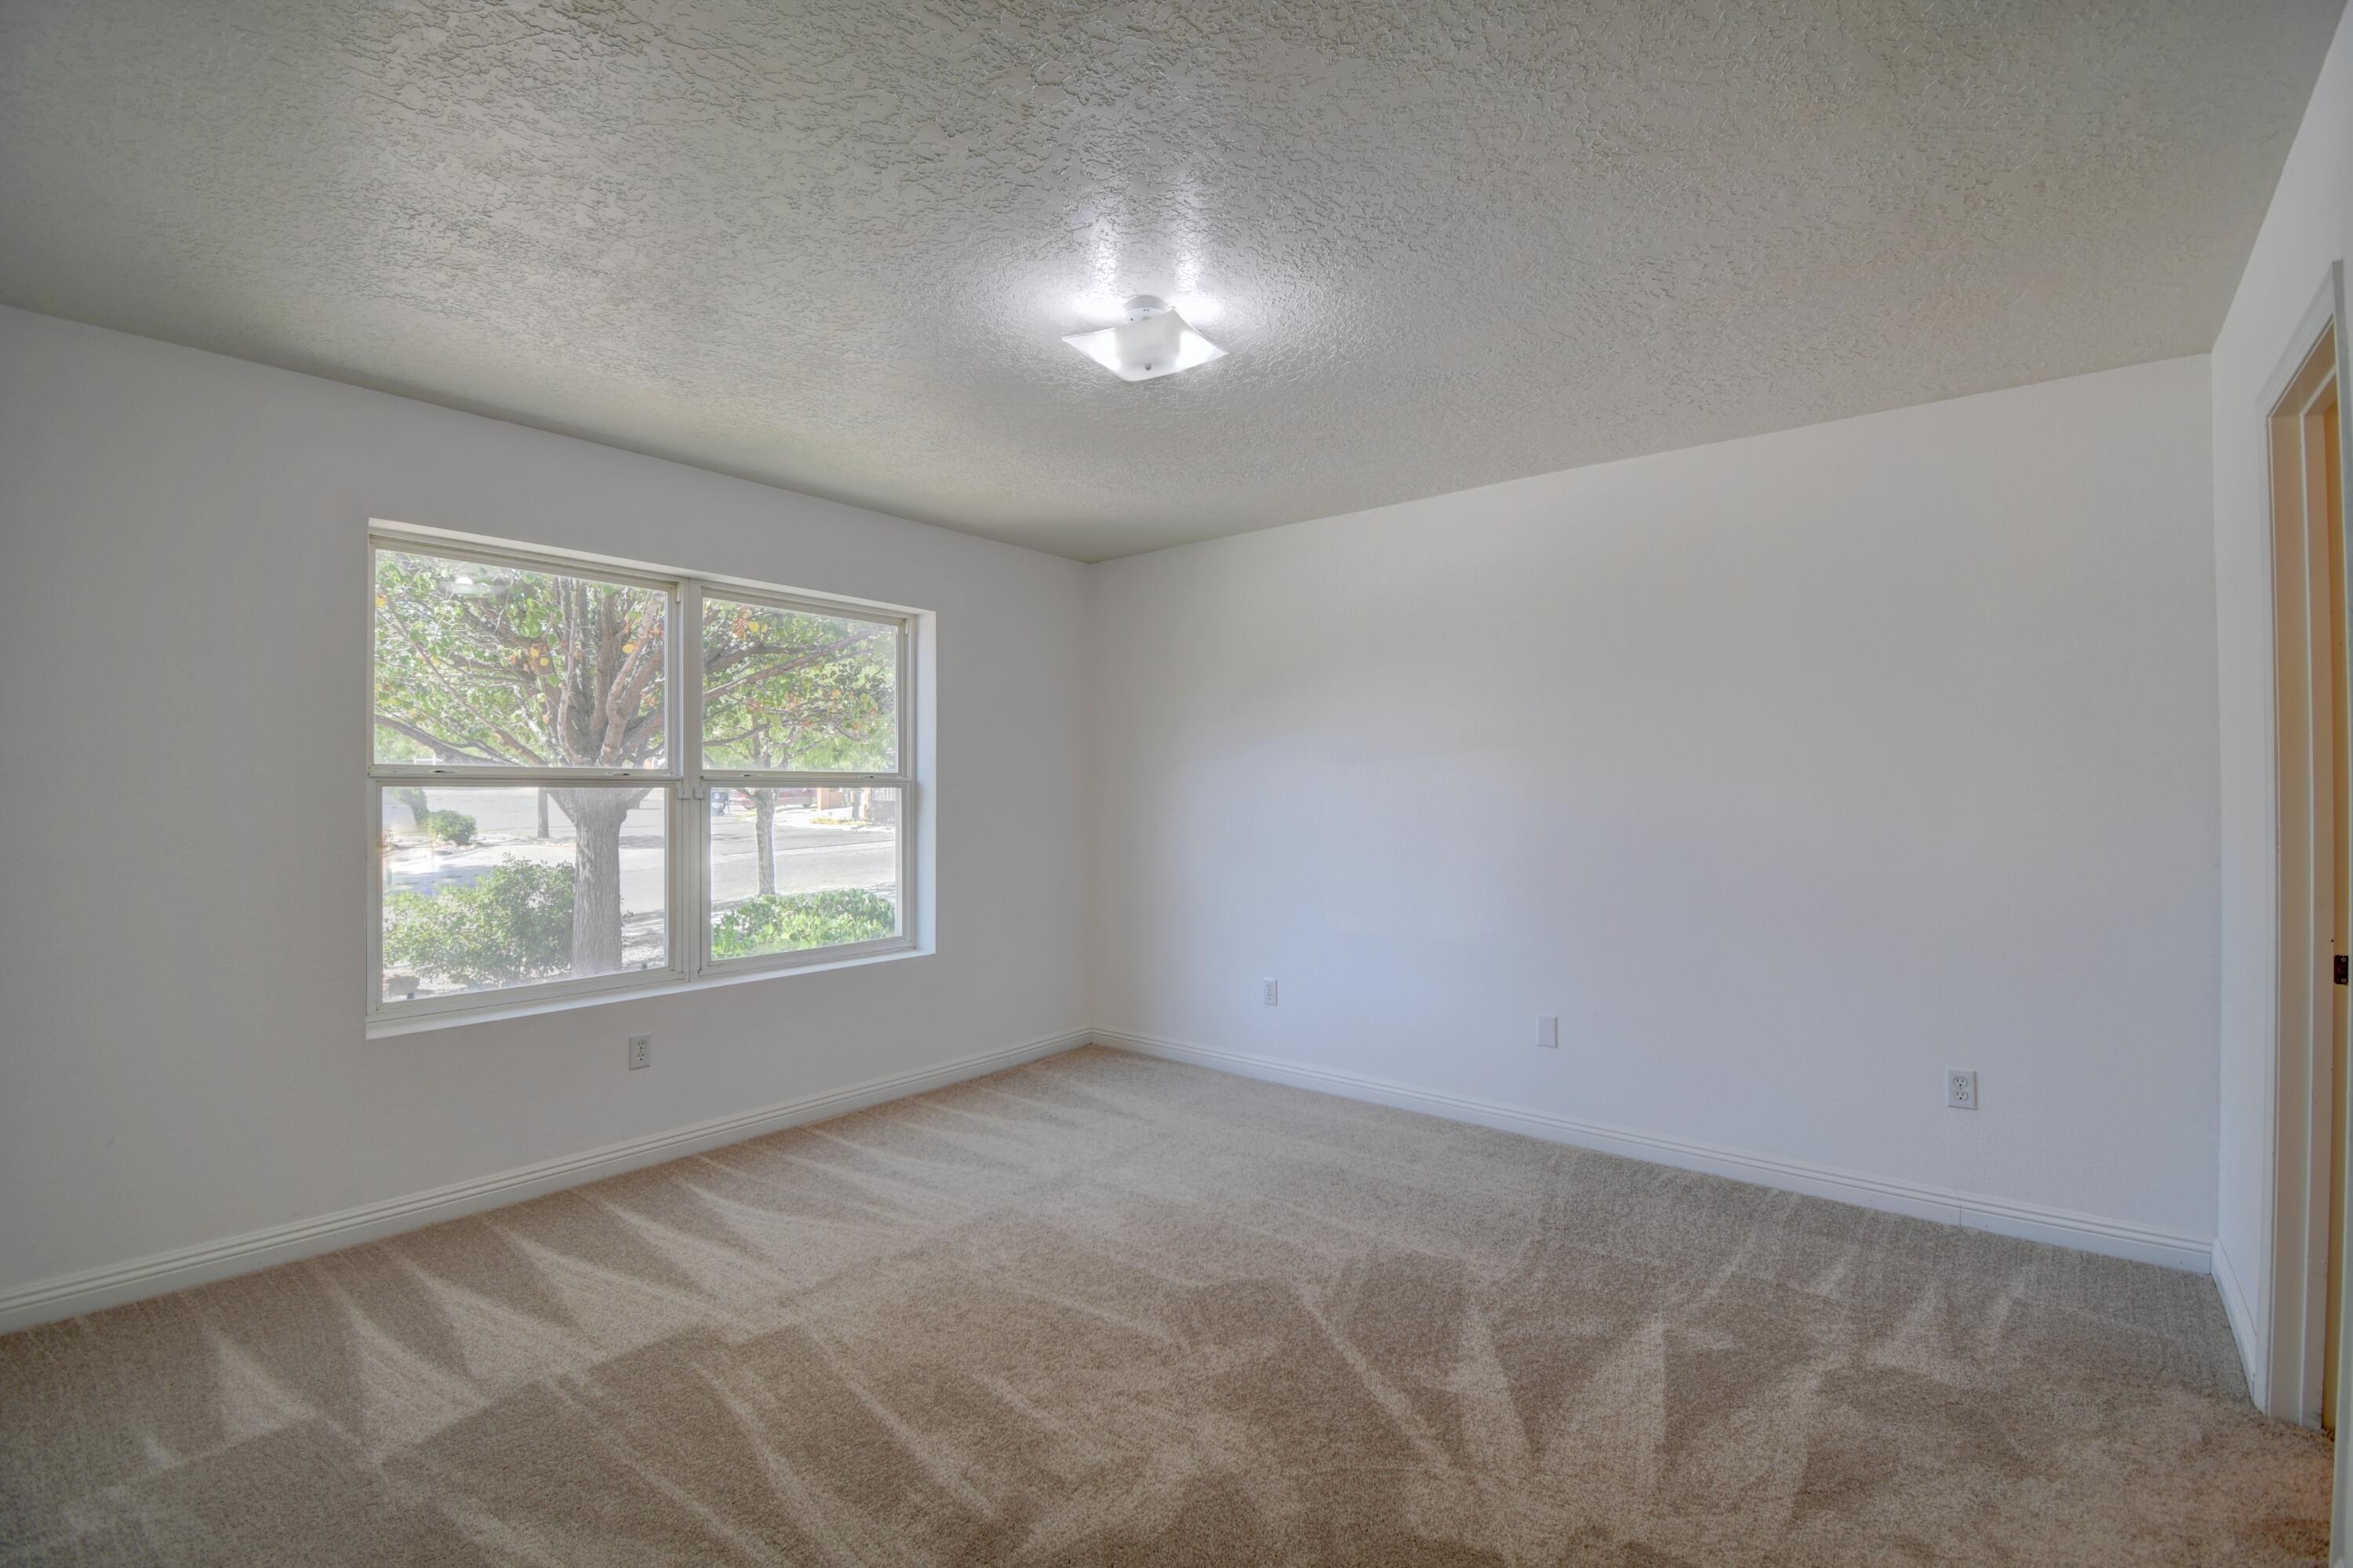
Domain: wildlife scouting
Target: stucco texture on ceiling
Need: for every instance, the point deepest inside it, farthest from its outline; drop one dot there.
(834, 243)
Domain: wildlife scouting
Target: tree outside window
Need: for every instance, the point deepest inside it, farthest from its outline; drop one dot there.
(553, 690)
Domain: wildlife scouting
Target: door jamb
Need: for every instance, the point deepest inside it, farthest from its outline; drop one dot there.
(2302, 1207)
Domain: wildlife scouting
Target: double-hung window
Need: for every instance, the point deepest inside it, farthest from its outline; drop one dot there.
(585, 777)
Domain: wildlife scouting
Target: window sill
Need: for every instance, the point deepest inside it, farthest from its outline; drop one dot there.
(420, 1023)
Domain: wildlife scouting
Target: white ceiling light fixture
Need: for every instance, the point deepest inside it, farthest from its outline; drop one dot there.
(1153, 341)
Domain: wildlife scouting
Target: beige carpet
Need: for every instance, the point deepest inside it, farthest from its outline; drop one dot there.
(1105, 1309)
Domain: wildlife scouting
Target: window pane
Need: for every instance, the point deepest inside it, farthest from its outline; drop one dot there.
(499, 667)
(488, 888)
(788, 690)
(794, 869)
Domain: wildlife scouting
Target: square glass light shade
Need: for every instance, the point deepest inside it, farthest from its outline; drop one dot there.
(1158, 344)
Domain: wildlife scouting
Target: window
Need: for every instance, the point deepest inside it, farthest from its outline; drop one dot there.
(589, 778)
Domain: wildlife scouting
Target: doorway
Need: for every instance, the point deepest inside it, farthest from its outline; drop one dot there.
(2320, 449)
(2304, 413)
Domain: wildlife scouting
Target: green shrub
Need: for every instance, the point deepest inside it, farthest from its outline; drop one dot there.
(788, 922)
(449, 827)
(513, 924)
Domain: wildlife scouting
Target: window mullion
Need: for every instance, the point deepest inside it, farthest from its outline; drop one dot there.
(721, 779)
(375, 881)
(552, 778)
(692, 834)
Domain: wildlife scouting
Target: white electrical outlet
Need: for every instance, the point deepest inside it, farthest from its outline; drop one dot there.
(1961, 1088)
(1268, 992)
(1548, 1031)
(641, 1051)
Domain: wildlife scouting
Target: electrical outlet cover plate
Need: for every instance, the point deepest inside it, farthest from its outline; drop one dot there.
(641, 1051)
(1961, 1088)
(1271, 993)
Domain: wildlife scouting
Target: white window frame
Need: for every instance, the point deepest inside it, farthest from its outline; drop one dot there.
(685, 783)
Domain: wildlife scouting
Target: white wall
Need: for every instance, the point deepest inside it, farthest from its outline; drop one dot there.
(1789, 772)
(2309, 225)
(183, 822)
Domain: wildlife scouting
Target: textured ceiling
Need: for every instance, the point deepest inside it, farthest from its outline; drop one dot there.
(834, 243)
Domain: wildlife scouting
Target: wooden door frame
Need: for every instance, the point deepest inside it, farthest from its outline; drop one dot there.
(2304, 1208)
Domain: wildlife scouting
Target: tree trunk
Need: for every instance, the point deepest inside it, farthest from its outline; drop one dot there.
(413, 800)
(764, 806)
(596, 817)
(542, 813)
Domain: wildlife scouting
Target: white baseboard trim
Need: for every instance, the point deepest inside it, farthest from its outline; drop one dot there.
(2065, 1227)
(69, 1295)
(2243, 1320)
